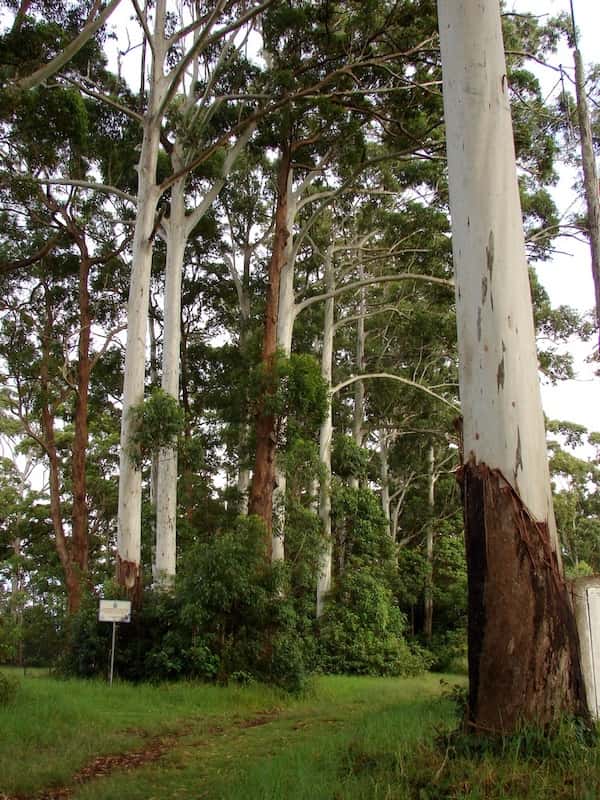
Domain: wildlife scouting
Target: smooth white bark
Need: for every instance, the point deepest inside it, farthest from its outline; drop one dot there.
(431, 481)
(359, 387)
(325, 437)
(285, 328)
(179, 227)
(384, 472)
(166, 495)
(590, 176)
(130, 476)
(499, 387)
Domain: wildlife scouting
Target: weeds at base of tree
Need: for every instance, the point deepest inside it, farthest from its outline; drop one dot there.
(557, 761)
(566, 738)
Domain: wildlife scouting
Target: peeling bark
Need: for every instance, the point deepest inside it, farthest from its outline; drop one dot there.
(524, 664)
(129, 576)
(523, 644)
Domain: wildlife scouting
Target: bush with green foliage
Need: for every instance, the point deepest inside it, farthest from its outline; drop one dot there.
(9, 687)
(239, 601)
(229, 615)
(158, 422)
(448, 650)
(362, 631)
(10, 637)
(294, 390)
(349, 460)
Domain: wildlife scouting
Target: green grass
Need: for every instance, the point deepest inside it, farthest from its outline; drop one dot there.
(346, 739)
(56, 727)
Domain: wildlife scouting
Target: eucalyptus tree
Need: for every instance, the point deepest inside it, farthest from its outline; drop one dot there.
(377, 270)
(523, 649)
(336, 59)
(248, 229)
(175, 46)
(56, 244)
(195, 116)
(48, 362)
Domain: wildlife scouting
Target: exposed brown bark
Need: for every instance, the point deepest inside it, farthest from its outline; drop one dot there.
(263, 479)
(129, 577)
(72, 581)
(79, 514)
(524, 663)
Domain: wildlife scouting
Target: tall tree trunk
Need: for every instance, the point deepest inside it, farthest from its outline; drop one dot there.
(243, 476)
(187, 476)
(428, 620)
(79, 514)
(130, 476)
(153, 382)
(261, 493)
(166, 495)
(590, 174)
(16, 598)
(285, 330)
(325, 436)
(61, 543)
(358, 418)
(523, 646)
(385, 480)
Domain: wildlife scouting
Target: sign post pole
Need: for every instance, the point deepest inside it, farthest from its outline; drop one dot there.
(114, 611)
(112, 652)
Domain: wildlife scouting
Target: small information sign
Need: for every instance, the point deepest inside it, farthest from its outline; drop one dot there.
(114, 611)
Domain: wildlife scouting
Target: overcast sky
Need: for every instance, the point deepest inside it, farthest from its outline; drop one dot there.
(568, 277)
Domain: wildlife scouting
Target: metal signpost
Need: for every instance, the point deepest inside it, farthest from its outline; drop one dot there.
(114, 611)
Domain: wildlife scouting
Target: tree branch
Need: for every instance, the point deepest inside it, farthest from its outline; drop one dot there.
(58, 62)
(389, 376)
(104, 98)
(97, 187)
(12, 266)
(400, 276)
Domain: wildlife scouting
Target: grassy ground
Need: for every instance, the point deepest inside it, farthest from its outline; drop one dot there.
(346, 739)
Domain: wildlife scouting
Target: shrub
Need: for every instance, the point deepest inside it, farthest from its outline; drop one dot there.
(227, 616)
(449, 651)
(9, 686)
(362, 631)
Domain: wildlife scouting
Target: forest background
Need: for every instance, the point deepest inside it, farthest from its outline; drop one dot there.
(273, 187)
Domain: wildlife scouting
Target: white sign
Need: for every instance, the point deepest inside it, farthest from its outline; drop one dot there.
(115, 611)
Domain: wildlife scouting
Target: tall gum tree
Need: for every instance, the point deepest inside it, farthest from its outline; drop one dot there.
(523, 646)
(130, 476)
(164, 84)
(178, 229)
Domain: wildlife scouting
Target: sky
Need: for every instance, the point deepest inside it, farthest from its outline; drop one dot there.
(567, 276)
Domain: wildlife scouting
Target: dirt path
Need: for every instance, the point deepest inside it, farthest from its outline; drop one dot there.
(155, 748)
